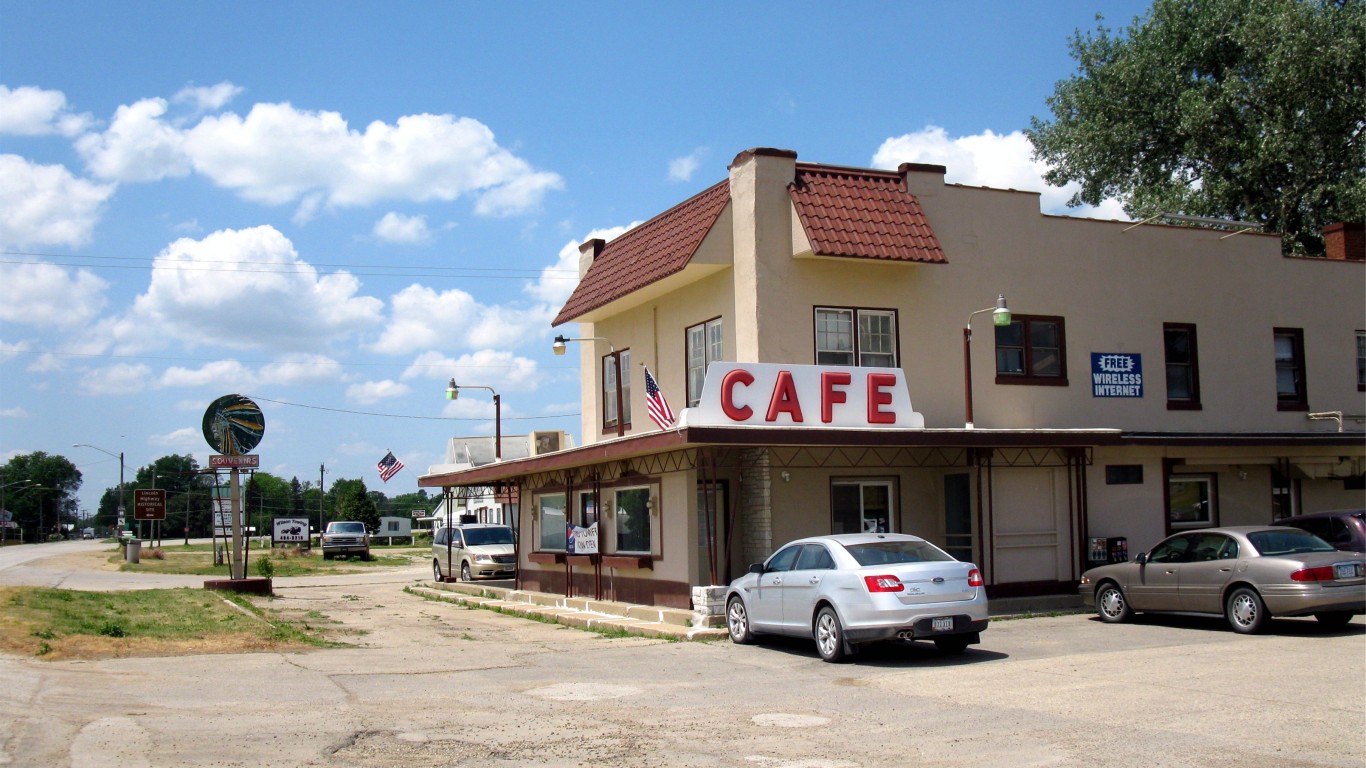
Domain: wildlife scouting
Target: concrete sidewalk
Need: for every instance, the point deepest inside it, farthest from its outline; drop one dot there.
(654, 621)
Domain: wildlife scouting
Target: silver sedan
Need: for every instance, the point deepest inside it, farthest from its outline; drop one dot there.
(1248, 574)
(848, 589)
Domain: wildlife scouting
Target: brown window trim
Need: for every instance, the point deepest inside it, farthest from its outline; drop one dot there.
(545, 558)
(1193, 404)
(1302, 402)
(1030, 379)
(611, 426)
(629, 561)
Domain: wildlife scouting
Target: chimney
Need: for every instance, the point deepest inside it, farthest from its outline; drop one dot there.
(589, 251)
(1344, 241)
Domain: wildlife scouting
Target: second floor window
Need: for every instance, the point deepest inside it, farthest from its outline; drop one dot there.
(862, 337)
(609, 389)
(1291, 393)
(705, 346)
(1183, 374)
(1031, 350)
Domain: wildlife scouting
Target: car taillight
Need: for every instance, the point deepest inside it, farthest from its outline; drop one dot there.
(1322, 573)
(883, 584)
(975, 578)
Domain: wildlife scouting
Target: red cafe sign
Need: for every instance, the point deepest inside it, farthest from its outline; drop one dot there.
(814, 396)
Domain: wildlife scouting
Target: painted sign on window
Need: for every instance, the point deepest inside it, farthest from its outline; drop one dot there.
(1116, 374)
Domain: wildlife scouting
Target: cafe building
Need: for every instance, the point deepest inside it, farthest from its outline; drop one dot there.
(849, 349)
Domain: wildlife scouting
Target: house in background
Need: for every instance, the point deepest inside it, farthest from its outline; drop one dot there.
(828, 338)
(493, 502)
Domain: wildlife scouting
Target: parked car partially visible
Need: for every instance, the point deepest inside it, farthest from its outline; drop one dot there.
(1247, 574)
(1345, 529)
(475, 551)
(847, 590)
(346, 537)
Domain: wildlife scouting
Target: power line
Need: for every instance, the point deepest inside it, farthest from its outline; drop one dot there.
(327, 362)
(405, 416)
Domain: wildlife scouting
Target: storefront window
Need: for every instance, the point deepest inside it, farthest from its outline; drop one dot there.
(1191, 501)
(552, 522)
(587, 515)
(861, 506)
(633, 520)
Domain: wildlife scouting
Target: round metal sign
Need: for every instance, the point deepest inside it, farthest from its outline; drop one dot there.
(233, 425)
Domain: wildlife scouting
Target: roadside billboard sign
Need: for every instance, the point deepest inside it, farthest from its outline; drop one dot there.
(149, 504)
(289, 530)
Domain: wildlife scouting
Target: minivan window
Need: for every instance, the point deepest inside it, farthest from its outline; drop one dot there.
(478, 537)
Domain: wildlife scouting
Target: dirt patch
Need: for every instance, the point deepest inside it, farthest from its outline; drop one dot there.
(87, 648)
(94, 560)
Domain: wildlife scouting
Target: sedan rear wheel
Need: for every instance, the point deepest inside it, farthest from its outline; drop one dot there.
(1111, 605)
(737, 621)
(1245, 611)
(829, 635)
(951, 644)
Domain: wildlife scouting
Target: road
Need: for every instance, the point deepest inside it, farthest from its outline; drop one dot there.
(431, 684)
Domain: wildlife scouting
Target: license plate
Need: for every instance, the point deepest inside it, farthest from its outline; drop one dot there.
(1344, 571)
(941, 625)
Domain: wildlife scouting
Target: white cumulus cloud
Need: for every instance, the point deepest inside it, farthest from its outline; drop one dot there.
(47, 295)
(246, 289)
(30, 111)
(499, 369)
(117, 379)
(46, 205)
(397, 228)
(369, 392)
(424, 318)
(139, 145)
(208, 98)
(989, 159)
(682, 168)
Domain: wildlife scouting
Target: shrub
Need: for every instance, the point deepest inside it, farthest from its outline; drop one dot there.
(264, 567)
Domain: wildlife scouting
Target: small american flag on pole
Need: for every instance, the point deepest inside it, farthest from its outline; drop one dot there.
(389, 466)
(655, 404)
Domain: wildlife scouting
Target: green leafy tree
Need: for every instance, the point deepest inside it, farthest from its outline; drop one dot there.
(1245, 109)
(353, 502)
(41, 493)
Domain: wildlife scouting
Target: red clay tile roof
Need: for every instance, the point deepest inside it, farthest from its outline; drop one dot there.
(652, 251)
(862, 213)
(849, 212)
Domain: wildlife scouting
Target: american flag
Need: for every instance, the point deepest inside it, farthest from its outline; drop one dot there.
(655, 404)
(389, 466)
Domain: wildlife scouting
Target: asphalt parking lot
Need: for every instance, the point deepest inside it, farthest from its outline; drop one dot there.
(430, 683)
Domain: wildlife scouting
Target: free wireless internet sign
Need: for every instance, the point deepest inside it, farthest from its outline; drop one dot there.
(233, 425)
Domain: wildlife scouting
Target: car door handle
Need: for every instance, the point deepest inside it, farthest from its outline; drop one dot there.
(815, 579)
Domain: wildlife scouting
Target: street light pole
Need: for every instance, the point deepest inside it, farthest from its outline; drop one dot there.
(1000, 316)
(453, 392)
(559, 349)
(123, 497)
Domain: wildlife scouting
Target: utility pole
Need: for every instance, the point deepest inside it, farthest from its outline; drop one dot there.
(322, 470)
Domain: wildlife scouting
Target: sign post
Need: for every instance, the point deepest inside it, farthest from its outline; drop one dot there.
(233, 425)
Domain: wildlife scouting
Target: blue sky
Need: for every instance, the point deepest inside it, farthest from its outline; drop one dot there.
(336, 207)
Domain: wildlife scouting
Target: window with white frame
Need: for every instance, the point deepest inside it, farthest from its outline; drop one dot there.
(609, 388)
(1191, 501)
(551, 521)
(705, 346)
(633, 512)
(861, 506)
(862, 337)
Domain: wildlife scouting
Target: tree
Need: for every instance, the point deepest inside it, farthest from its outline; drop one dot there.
(1245, 109)
(43, 494)
(351, 501)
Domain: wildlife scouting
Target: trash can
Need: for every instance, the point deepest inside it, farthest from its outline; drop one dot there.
(133, 554)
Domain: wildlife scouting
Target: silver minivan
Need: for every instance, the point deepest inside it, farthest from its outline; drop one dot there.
(475, 551)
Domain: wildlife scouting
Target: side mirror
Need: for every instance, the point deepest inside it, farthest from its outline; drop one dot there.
(756, 568)
(1142, 558)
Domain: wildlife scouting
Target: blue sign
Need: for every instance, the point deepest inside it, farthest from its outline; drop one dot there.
(1116, 374)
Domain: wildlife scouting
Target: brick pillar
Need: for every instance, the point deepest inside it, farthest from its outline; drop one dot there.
(1344, 241)
(756, 506)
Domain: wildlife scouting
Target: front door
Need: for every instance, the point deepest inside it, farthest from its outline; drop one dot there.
(958, 517)
(1158, 582)
(766, 600)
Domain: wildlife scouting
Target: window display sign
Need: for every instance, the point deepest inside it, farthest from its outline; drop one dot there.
(814, 396)
(1115, 374)
(582, 541)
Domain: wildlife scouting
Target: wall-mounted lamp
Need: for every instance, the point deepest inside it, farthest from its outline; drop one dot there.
(561, 344)
(786, 476)
(650, 505)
